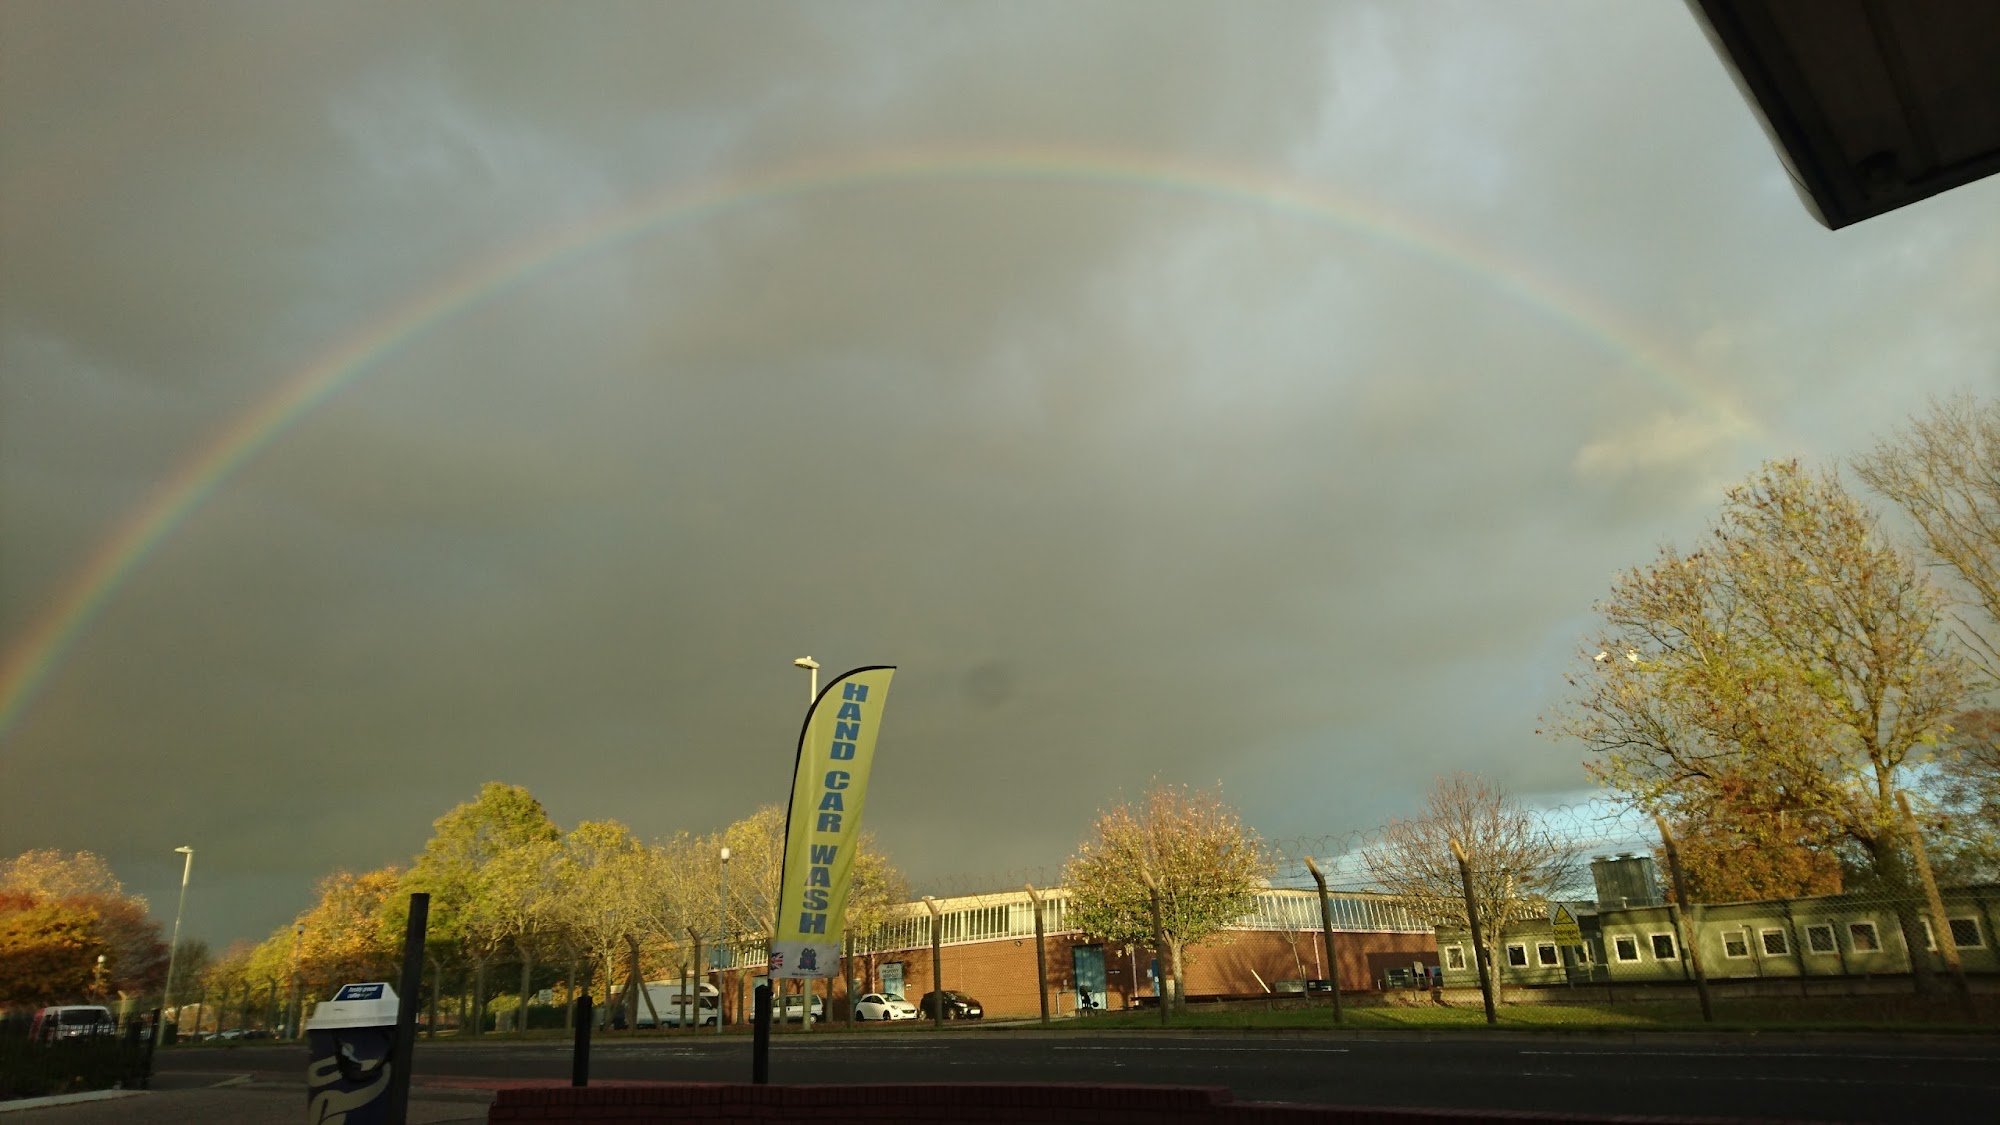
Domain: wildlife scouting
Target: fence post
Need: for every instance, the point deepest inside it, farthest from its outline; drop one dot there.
(847, 979)
(696, 978)
(1169, 987)
(1326, 930)
(152, 1041)
(1042, 956)
(1690, 938)
(1478, 939)
(1940, 925)
(937, 964)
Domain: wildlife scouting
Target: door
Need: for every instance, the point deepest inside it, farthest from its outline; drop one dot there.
(1088, 963)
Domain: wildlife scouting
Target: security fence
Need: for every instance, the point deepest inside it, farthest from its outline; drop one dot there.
(39, 1058)
(1602, 919)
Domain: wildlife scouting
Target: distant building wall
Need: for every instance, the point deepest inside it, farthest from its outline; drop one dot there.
(988, 951)
(1845, 935)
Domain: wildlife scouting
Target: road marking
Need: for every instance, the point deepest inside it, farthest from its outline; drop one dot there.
(1219, 1050)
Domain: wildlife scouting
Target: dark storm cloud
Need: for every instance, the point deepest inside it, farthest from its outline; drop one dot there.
(1132, 482)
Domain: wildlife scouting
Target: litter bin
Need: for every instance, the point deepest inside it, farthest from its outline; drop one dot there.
(350, 1039)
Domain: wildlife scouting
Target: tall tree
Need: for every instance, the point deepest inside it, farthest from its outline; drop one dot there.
(49, 874)
(135, 956)
(1517, 864)
(350, 932)
(48, 948)
(1943, 471)
(1967, 815)
(81, 885)
(1799, 653)
(757, 856)
(1207, 863)
(1738, 844)
(757, 852)
(477, 900)
(600, 877)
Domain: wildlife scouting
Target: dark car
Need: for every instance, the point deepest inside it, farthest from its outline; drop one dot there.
(957, 1006)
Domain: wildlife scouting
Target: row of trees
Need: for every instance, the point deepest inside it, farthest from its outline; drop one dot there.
(59, 914)
(1783, 687)
(511, 891)
(1207, 867)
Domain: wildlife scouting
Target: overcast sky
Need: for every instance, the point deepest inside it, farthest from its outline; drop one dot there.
(1254, 392)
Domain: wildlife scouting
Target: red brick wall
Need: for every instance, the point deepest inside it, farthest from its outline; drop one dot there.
(986, 1103)
(1231, 964)
(1001, 974)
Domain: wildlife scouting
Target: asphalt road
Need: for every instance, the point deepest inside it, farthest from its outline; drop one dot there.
(1848, 1078)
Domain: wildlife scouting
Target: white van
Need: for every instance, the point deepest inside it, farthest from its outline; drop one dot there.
(72, 1021)
(703, 1005)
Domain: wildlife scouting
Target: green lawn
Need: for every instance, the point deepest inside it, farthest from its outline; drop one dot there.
(1831, 1014)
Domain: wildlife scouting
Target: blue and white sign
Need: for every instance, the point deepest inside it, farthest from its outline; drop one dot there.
(359, 992)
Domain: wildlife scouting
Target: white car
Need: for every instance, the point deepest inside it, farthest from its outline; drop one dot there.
(788, 1011)
(876, 1006)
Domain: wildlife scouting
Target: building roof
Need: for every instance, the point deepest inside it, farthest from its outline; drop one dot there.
(1872, 104)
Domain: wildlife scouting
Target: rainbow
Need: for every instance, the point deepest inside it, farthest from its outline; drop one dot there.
(33, 656)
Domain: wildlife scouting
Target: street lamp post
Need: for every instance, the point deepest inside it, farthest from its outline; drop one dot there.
(805, 989)
(100, 976)
(174, 950)
(721, 958)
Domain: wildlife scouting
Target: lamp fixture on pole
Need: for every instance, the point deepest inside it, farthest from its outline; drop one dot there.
(812, 668)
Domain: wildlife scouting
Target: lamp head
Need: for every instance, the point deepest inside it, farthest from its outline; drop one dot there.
(725, 855)
(806, 662)
(184, 850)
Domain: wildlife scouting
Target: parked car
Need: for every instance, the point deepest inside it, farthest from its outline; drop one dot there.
(880, 1006)
(957, 1006)
(791, 1008)
(72, 1021)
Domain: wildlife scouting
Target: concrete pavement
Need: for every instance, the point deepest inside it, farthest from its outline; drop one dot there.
(193, 1098)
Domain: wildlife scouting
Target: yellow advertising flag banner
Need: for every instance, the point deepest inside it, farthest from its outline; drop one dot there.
(829, 788)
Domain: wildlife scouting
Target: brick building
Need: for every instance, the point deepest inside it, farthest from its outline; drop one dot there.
(987, 949)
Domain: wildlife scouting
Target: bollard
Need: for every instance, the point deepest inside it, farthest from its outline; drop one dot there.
(760, 1038)
(579, 1059)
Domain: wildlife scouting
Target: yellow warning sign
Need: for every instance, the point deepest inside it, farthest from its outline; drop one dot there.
(1565, 926)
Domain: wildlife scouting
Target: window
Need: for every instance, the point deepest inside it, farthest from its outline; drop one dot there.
(1546, 953)
(1819, 939)
(1627, 948)
(1663, 947)
(1775, 944)
(1965, 933)
(1517, 954)
(1454, 957)
(1736, 944)
(1583, 956)
(1861, 937)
